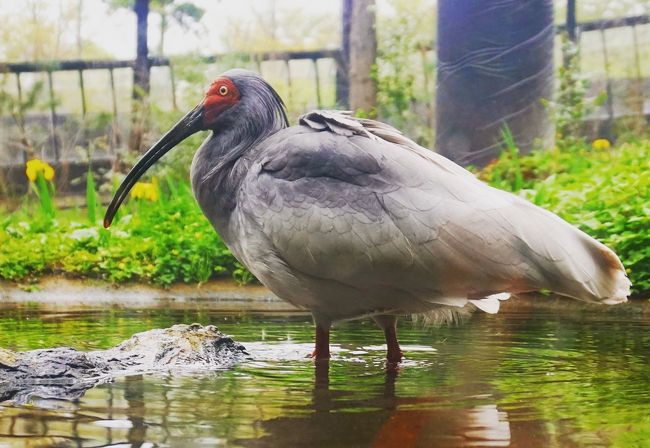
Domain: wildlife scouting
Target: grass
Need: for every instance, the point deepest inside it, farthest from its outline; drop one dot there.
(605, 192)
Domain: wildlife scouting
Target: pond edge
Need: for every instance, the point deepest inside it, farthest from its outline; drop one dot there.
(58, 293)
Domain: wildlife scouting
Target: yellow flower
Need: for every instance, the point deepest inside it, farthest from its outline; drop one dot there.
(138, 190)
(32, 168)
(145, 190)
(601, 144)
(35, 166)
(48, 172)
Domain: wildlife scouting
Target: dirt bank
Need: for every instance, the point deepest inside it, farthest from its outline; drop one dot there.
(61, 293)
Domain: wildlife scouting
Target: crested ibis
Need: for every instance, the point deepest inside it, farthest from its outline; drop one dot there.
(347, 217)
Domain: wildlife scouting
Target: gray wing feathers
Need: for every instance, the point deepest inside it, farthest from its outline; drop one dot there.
(342, 123)
(351, 201)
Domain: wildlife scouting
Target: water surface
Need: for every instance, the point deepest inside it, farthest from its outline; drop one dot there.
(543, 379)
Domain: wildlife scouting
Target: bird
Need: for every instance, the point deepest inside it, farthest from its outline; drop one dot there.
(347, 217)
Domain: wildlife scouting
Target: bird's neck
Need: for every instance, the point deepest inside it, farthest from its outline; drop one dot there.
(221, 163)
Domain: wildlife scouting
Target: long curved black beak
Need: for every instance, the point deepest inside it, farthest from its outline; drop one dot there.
(190, 124)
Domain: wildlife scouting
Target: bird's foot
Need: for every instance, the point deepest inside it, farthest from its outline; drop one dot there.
(322, 349)
(319, 354)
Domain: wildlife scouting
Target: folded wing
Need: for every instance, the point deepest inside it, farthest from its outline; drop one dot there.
(355, 202)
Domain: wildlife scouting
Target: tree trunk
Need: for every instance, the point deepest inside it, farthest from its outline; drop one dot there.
(140, 78)
(163, 30)
(363, 53)
(495, 66)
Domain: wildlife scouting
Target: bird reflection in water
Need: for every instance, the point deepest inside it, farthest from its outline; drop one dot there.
(388, 420)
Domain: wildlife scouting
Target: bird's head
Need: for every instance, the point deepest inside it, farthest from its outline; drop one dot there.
(237, 96)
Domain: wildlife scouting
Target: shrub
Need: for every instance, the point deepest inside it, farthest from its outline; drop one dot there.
(161, 242)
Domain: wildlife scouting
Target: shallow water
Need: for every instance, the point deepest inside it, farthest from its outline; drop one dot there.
(515, 379)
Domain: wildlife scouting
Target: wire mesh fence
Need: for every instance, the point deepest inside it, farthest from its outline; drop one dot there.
(70, 112)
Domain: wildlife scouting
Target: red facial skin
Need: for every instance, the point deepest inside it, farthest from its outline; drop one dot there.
(221, 95)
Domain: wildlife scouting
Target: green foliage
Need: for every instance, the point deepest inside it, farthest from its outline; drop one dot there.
(605, 193)
(18, 105)
(394, 74)
(402, 57)
(570, 107)
(44, 191)
(186, 14)
(161, 242)
(513, 152)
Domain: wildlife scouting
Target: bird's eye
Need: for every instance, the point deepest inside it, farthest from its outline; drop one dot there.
(223, 90)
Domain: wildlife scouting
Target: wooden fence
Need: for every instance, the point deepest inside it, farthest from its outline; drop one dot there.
(13, 172)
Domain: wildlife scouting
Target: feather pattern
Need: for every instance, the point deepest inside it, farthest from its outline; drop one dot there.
(348, 217)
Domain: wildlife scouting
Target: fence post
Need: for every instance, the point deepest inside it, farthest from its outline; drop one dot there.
(317, 80)
(258, 63)
(116, 131)
(20, 119)
(288, 72)
(173, 83)
(83, 94)
(571, 29)
(362, 58)
(55, 142)
(83, 112)
(571, 21)
(19, 87)
(608, 87)
(141, 79)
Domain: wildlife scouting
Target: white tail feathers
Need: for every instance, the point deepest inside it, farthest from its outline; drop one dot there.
(444, 315)
(491, 303)
(457, 314)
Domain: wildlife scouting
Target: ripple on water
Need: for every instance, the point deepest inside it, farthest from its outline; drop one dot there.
(273, 354)
(505, 380)
(121, 424)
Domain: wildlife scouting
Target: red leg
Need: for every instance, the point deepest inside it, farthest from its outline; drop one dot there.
(322, 350)
(394, 354)
(388, 323)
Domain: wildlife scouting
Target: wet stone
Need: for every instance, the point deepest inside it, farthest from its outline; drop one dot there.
(66, 373)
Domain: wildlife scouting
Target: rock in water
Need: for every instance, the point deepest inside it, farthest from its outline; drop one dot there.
(66, 373)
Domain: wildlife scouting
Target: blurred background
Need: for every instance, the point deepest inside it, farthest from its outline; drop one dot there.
(70, 68)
